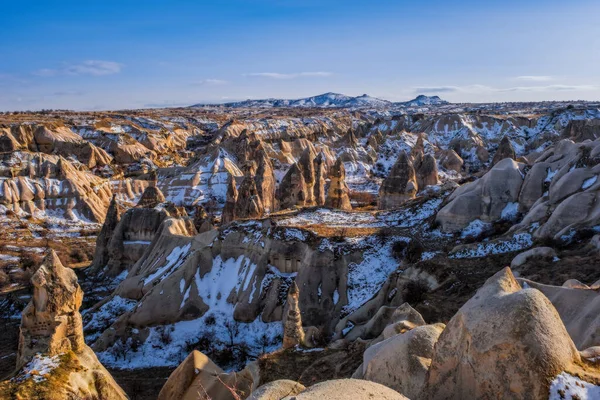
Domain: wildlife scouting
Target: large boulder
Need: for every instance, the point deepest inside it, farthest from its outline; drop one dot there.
(400, 185)
(344, 389)
(484, 199)
(277, 390)
(401, 362)
(505, 342)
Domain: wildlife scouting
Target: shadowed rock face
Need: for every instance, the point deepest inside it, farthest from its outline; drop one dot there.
(249, 203)
(113, 216)
(232, 196)
(319, 179)
(338, 193)
(505, 150)
(400, 185)
(293, 335)
(292, 190)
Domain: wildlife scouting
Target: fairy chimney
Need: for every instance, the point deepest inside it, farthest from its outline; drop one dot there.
(337, 195)
(293, 334)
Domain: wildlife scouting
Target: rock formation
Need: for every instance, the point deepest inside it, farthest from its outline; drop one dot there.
(401, 362)
(198, 378)
(343, 389)
(319, 179)
(426, 171)
(101, 256)
(202, 221)
(337, 194)
(494, 346)
(303, 184)
(228, 214)
(293, 334)
(505, 150)
(151, 197)
(265, 182)
(52, 333)
(484, 199)
(451, 161)
(277, 390)
(400, 185)
(248, 203)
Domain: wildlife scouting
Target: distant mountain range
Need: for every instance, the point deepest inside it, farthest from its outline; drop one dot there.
(333, 100)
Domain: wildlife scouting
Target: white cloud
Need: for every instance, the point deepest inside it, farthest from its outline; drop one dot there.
(278, 75)
(212, 82)
(534, 78)
(88, 67)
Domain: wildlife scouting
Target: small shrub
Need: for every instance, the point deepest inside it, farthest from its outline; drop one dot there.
(415, 291)
(414, 251)
(399, 249)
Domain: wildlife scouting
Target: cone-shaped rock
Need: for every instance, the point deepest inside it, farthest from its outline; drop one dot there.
(151, 197)
(337, 195)
(400, 185)
(52, 335)
(248, 204)
(293, 334)
(427, 172)
(292, 190)
(505, 150)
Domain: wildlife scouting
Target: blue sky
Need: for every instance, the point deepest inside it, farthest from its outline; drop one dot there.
(133, 54)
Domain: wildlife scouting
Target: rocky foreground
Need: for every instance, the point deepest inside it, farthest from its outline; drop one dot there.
(270, 251)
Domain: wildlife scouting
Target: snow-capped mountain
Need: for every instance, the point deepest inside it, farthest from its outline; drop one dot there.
(334, 100)
(423, 100)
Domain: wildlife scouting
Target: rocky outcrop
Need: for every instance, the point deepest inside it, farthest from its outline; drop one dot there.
(293, 334)
(60, 140)
(401, 362)
(535, 253)
(101, 254)
(400, 185)
(52, 335)
(505, 150)
(202, 221)
(265, 182)
(151, 197)
(55, 184)
(494, 346)
(302, 185)
(198, 378)
(451, 161)
(426, 172)
(338, 192)
(248, 203)
(578, 308)
(485, 199)
(320, 179)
